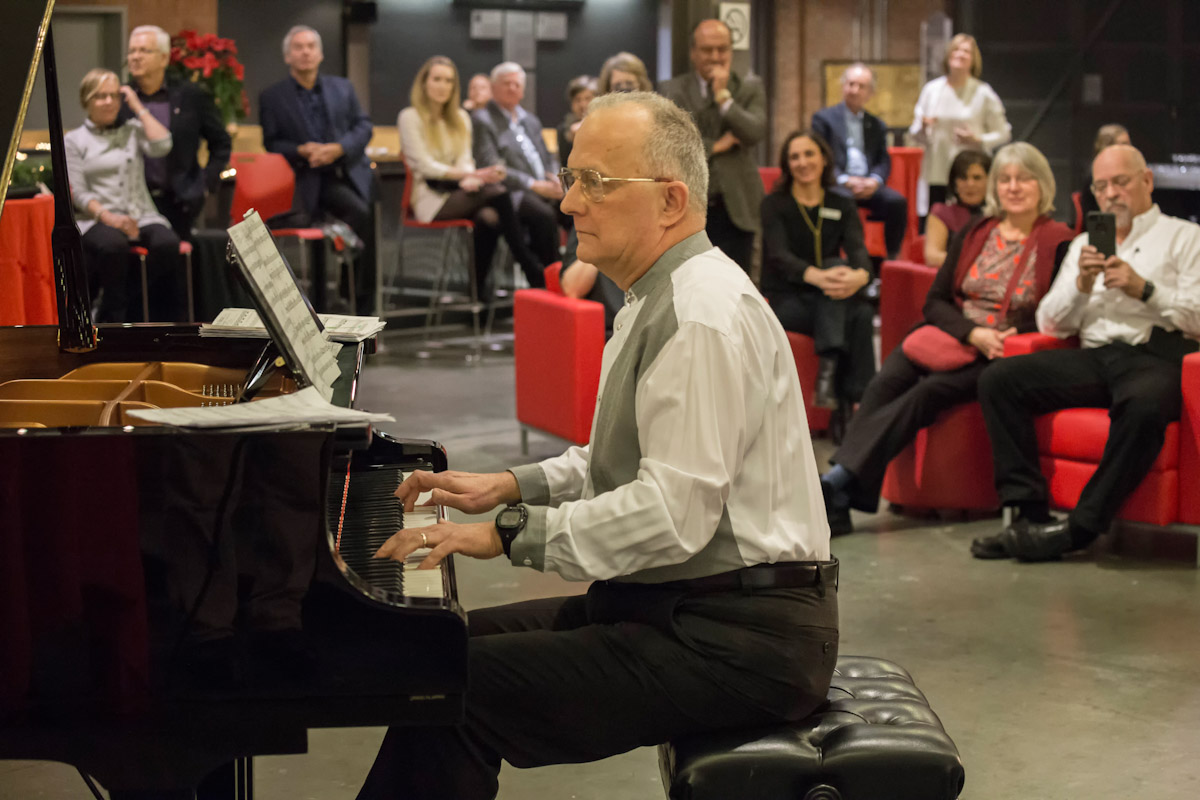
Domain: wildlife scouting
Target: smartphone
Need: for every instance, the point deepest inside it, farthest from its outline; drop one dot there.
(1102, 232)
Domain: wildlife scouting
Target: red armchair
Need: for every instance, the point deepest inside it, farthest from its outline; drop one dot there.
(557, 347)
(806, 369)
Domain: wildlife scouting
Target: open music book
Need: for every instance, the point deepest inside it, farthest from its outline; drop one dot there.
(304, 406)
(245, 323)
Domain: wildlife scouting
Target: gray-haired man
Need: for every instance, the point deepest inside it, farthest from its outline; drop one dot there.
(696, 509)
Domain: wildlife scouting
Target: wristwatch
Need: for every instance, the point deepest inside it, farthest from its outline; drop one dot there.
(509, 522)
(1147, 290)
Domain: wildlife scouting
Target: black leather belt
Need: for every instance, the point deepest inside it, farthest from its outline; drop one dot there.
(783, 575)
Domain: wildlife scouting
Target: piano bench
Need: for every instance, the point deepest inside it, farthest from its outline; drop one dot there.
(876, 737)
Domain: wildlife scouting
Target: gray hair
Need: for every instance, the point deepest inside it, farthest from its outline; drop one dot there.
(858, 65)
(1030, 159)
(673, 148)
(287, 37)
(161, 38)
(507, 68)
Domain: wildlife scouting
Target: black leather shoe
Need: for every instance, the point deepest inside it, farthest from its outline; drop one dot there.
(1046, 541)
(839, 516)
(989, 547)
(825, 395)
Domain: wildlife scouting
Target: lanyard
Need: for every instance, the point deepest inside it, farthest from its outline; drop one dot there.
(816, 229)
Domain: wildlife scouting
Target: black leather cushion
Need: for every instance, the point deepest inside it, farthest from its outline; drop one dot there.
(876, 738)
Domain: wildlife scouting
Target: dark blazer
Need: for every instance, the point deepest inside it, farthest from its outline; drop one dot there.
(492, 139)
(830, 123)
(734, 173)
(284, 129)
(788, 245)
(194, 117)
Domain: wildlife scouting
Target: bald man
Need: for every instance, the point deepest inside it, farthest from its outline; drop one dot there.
(1137, 314)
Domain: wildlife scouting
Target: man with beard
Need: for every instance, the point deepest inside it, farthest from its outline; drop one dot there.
(1137, 314)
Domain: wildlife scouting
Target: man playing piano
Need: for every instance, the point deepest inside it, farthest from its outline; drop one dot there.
(696, 509)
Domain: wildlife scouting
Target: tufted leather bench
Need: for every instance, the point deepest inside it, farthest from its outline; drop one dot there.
(876, 738)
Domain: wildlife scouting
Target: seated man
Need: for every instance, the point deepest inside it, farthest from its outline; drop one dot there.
(1132, 311)
(582, 280)
(860, 155)
(315, 122)
(504, 133)
(695, 510)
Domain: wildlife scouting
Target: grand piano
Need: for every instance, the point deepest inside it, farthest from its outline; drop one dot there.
(176, 601)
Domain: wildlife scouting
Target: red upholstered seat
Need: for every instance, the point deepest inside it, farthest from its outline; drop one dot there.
(902, 289)
(948, 465)
(806, 370)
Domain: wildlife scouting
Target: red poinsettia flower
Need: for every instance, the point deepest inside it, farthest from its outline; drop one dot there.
(210, 62)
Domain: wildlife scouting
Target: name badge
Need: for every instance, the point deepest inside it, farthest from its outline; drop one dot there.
(830, 213)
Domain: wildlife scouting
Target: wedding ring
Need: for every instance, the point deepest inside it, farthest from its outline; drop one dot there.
(424, 540)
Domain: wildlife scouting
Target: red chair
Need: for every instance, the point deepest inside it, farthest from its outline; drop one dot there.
(185, 250)
(916, 249)
(806, 370)
(1077, 201)
(558, 343)
(265, 182)
(902, 289)
(769, 176)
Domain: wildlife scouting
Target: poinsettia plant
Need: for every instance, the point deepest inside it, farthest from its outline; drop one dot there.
(210, 61)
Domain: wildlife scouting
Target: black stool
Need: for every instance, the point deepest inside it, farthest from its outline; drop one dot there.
(875, 738)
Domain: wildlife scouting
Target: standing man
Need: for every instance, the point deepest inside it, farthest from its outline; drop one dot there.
(316, 123)
(696, 510)
(1137, 314)
(505, 133)
(731, 113)
(176, 181)
(860, 156)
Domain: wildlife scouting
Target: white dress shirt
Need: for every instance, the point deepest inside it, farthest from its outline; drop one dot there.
(1161, 249)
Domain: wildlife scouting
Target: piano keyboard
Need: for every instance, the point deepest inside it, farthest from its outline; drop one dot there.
(370, 515)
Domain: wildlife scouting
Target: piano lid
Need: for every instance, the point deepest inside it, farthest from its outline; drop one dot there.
(21, 38)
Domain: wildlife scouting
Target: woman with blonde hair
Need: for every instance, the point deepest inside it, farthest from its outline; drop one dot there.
(956, 112)
(435, 140)
(624, 72)
(108, 188)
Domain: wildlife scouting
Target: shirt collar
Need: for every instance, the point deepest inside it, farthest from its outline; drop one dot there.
(316, 86)
(87, 122)
(1144, 222)
(660, 271)
(858, 115)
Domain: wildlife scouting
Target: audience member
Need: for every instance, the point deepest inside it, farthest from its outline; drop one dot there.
(176, 181)
(730, 112)
(987, 289)
(1137, 314)
(507, 134)
(580, 92)
(582, 280)
(316, 123)
(479, 92)
(1111, 133)
(812, 288)
(860, 155)
(965, 195)
(108, 187)
(694, 511)
(624, 72)
(953, 113)
(435, 137)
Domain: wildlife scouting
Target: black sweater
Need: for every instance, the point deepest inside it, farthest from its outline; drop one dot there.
(788, 245)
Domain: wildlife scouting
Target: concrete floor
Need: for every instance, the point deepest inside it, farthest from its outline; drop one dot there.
(1072, 680)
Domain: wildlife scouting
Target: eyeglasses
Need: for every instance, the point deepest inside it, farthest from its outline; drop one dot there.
(1119, 181)
(592, 182)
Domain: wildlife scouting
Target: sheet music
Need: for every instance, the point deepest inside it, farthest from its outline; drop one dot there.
(306, 405)
(244, 323)
(304, 345)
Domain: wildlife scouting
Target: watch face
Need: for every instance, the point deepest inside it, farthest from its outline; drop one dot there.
(510, 517)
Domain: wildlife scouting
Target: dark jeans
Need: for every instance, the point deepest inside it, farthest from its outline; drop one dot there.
(492, 212)
(568, 680)
(112, 269)
(733, 241)
(841, 329)
(899, 401)
(889, 206)
(340, 200)
(1141, 391)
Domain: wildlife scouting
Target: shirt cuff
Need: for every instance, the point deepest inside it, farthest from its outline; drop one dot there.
(725, 106)
(532, 483)
(528, 548)
(1162, 300)
(842, 179)
(877, 179)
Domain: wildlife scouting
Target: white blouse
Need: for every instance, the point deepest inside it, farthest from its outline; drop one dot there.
(425, 163)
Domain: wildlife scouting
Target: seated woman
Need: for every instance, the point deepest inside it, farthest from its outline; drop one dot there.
(988, 289)
(108, 187)
(435, 138)
(624, 72)
(811, 287)
(965, 194)
(580, 91)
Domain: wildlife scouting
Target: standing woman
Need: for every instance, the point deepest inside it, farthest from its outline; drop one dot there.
(965, 194)
(108, 187)
(435, 139)
(956, 112)
(811, 287)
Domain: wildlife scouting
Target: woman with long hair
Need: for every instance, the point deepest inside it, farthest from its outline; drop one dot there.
(435, 139)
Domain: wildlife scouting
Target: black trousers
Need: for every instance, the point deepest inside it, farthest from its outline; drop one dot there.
(492, 211)
(733, 241)
(182, 216)
(841, 329)
(112, 269)
(899, 401)
(569, 680)
(339, 199)
(539, 217)
(891, 207)
(1141, 391)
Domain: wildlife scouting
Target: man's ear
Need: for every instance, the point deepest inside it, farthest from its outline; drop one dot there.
(675, 201)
